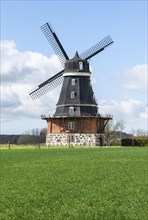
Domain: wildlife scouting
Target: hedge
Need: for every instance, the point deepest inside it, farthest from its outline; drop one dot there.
(141, 141)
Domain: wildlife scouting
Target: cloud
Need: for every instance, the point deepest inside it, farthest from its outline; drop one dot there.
(21, 72)
(126, 108)
(144, 114)
(131, 107)
(26, 66)
(132, 111)
(135, 78)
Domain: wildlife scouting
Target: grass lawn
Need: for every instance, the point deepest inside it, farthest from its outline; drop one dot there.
(74, 184)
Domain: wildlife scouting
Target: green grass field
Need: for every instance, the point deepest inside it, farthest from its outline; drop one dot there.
(74, 184)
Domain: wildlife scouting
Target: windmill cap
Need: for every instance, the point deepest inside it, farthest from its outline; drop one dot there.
(76, 56)
(76, 64)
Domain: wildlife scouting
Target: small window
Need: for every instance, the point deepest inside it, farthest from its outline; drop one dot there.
(71, 110)
(73, 82)
(71, 125)
(70, 138)
(72, 95)
(81, 65)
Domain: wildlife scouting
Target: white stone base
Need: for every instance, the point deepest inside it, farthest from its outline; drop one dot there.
(78, 139)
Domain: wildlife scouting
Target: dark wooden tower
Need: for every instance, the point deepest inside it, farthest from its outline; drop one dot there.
(76, 120)
(76, 97)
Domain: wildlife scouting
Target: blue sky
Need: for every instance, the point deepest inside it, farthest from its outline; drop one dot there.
(119, 74)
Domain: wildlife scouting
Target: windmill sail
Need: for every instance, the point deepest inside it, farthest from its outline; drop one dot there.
(97, 48)
(46, 86)
(54, 42)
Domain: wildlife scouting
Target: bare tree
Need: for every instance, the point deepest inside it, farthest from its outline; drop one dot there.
(141, 133)
(34, 136)
(112, 130)
(35, 132)
(121, 125)
(43, 133)
(133, 131)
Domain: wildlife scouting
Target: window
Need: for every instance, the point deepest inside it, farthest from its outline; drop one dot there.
(81, 65)
(72, 95)
(70, 138)
(71, 110)
(71, 125)
(73, 82)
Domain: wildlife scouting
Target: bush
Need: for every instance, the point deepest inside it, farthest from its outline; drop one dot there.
(115, 143)
(141, 141)
(28, 139)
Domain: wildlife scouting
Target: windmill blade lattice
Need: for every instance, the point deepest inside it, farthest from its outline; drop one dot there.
(46, 86)
(54, 42)
(97, 48)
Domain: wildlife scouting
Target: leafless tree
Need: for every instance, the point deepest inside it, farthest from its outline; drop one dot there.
(112, 130)
(34, 136)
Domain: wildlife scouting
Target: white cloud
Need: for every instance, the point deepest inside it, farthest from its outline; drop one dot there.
(109, 107)
(27, 66)
(144, 114)
(131, 107)
(136, 78)
(21, 72)
(133, 111)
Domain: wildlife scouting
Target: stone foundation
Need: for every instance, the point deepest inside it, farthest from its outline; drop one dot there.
(76, 139)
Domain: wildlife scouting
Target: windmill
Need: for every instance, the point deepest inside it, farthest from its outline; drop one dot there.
(76, 119)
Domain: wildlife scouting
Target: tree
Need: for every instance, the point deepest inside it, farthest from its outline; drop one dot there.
(35, 132)
(141, 133)
(43, 133)
(112, 130)
(142, 137)
(121, 125)
(35, 136)
(26, 139)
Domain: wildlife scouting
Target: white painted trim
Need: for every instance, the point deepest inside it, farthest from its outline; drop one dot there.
(71, 105)
(77, 74)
